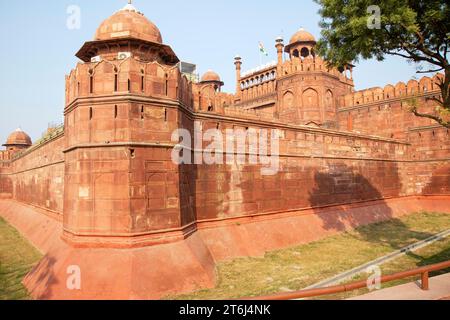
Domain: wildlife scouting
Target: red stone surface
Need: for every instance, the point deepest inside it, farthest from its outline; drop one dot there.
(108, 175)
(183, 266)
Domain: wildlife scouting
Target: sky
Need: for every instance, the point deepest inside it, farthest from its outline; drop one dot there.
(38, 49)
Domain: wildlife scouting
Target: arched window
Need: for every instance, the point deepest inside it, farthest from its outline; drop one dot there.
(305, 52)
(295, 53)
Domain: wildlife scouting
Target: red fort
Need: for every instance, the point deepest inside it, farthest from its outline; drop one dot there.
(102, 192)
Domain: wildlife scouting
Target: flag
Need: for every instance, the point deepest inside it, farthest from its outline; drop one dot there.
(262, 49)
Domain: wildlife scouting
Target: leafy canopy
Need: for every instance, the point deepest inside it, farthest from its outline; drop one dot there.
(417, 30)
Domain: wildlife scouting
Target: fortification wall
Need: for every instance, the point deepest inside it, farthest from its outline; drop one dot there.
(37, 175)
(317, 168)
(5, 181)
(386, 111)
(430, 160)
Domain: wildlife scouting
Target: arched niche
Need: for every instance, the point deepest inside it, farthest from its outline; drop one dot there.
(311, 111)
(329, 101)
(310, 98)
(288, 100)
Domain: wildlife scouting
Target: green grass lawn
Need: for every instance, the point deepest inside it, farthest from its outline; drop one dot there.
(304, 265)
(278, 271)
(17, 257)
(434, 253)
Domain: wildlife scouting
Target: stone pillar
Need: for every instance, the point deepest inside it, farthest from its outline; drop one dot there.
(238, 64)
(280, 46)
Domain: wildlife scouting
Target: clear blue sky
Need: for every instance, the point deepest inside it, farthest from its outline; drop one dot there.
(38, 49)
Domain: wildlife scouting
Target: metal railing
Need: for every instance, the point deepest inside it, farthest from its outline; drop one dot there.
(424, 272)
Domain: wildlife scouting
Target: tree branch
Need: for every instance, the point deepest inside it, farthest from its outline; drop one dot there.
(438, 119)
(430, 71)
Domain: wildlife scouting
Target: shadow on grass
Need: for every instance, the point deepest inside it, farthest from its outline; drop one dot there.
(439, 257)
(43, 278)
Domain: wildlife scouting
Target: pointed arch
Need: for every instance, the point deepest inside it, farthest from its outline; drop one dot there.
(288, 100)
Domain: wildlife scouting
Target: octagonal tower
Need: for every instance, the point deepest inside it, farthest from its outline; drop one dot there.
(123, 101)
(307, 88)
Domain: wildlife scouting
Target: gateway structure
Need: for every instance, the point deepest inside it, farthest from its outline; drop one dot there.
(102, 193)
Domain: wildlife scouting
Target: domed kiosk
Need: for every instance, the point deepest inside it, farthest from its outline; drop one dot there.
(302, 36)
(212, 79)
(127, 30)
(301, 45)
(211, 76)
(18, 140)
(128, 22)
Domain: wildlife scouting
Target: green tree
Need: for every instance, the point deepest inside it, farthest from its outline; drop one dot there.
(417, 30)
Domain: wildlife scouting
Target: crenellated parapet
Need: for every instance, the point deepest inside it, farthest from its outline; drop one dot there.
(311, 65)
(387, 111)
(127, 76)
(414, 88)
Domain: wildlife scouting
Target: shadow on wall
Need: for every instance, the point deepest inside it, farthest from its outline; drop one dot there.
(439, 183)
(342, 184)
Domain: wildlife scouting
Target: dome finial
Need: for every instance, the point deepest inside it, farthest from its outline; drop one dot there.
(129, 7)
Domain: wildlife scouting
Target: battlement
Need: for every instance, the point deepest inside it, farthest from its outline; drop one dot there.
(129, 75)
(312, 64)
(413, 88)
(110, 176)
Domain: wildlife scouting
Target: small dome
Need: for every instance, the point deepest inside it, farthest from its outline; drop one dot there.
(18, 138)
(210, 76)
(128, 22)
(302, 36)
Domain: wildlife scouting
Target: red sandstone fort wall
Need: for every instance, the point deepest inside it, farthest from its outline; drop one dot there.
(429, 166)
(317, 168)
(117, 176)
(5, 179)
(386, 112)
(36, 176)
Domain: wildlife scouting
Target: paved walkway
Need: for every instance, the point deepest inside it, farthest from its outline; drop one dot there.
(439, 289)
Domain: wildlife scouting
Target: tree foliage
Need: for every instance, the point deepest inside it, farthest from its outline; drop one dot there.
(417, 30)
